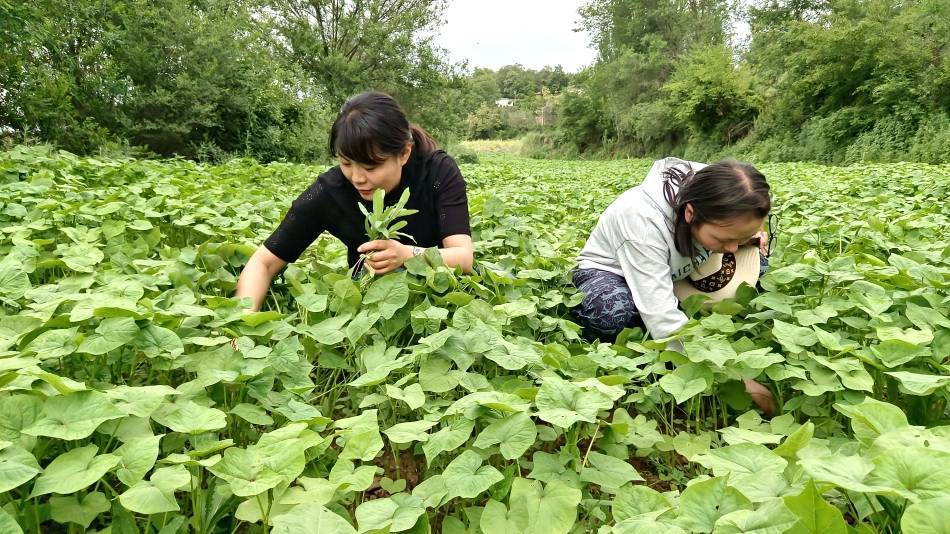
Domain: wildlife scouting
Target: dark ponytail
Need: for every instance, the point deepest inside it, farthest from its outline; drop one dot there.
(421, 139)
(717, 192)
(372, 126)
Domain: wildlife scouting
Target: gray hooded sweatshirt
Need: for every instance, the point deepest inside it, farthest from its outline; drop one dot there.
(634, 238)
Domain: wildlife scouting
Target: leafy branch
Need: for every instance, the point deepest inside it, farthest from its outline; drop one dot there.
(382, 222)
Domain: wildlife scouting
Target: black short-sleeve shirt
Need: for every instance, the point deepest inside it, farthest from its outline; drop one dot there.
(436, 189)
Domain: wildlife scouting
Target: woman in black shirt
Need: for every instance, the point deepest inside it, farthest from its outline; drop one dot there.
(377, 148)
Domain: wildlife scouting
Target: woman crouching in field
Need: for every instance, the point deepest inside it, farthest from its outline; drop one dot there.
(376, 148)
(658, 241)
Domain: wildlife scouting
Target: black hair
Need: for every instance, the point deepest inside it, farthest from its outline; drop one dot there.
(717, 192)
(372, 126)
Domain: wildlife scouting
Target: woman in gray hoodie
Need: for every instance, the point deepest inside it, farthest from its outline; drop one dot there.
(656, 233)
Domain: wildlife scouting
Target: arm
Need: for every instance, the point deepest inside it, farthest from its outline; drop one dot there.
(257, 275)
(647, 271)
(453, 220)
(388, 255)
(301, 225)
(457, 251)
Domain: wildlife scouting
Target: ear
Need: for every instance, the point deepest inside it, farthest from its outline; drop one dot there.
(688, 213)
(404, 155)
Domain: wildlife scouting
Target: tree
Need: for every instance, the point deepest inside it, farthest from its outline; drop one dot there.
(639, 44)
(211, 78)
(553, 78)
(483, 83)
(204, 78)
(839, 70)
(514, 81)
(17, 19)
(710, 95)
(484, 123)
(582, 120)
(619, 25)
(345, 47)
(55, 71)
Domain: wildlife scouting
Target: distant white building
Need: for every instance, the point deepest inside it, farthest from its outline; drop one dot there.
(505, 102)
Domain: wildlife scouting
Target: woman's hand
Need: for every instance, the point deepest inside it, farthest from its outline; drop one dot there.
(762, 240)
(385, 255)
(257, 275)
(761, 396)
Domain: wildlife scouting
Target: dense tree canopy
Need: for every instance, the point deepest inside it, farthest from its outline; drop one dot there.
(210, 78)
(830, 80)
(344, 47)
(173, 76)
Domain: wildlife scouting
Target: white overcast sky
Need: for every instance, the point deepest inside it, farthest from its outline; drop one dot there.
(534, 33)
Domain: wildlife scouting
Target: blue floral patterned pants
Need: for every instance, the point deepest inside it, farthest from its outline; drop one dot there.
(608, 305)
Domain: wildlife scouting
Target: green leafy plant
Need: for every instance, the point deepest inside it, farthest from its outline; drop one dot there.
(429, 399)
(382, 222)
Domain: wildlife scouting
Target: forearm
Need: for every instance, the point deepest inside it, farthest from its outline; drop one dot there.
(648, 275)
(254, 282)
(457, 257)
(386, 255)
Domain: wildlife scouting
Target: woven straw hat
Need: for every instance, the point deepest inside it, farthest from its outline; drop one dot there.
(719, 277)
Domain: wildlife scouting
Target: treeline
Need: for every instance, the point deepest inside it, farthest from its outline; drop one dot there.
(215, 78)
(829, 80)
(212, 79)
(514, 100)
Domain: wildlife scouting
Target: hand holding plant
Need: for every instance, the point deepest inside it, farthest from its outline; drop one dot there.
(385, 255)
(382, 228)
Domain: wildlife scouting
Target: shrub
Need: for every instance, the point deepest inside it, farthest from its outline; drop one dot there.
(887, 141)
(462, 153)
(931, 143)
(484, 123)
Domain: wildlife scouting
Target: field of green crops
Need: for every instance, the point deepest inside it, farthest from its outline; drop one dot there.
(428, 401)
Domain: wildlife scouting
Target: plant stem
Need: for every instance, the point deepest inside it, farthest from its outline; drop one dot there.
(392, 448)
(591, 444)
(106, 484)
